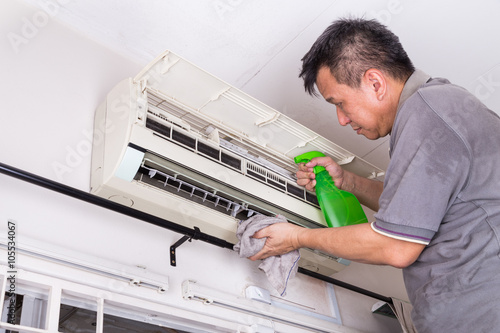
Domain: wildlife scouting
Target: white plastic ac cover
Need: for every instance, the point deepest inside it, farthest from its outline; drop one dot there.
(181, 144)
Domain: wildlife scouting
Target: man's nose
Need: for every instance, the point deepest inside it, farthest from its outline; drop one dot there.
(343, 119)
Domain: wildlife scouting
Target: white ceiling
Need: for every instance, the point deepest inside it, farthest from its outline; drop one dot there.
(256, 45)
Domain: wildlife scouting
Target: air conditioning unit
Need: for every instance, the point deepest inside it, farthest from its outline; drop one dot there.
(181, 144)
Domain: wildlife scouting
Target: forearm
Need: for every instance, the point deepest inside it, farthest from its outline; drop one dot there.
(361, 244)
(355, 242)
(367, 191)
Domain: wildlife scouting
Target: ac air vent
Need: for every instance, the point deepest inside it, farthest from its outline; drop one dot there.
(295, 191)
(250, 169)
(183, 139)
(208, 150)
(157, 127)
(178, 180)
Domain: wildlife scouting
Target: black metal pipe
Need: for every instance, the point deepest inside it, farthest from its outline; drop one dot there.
(192, 233)
(98, 201)
(345, 285)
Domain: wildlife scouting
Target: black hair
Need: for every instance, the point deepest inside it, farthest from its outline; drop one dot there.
(351, 46)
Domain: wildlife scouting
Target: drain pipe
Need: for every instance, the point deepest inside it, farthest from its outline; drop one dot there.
(187, 232)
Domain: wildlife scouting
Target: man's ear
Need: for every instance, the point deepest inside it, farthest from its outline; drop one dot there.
(375, 81)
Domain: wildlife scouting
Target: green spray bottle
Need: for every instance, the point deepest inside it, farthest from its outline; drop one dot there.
(340, 207)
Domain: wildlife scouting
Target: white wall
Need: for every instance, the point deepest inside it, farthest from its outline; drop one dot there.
(51, 84)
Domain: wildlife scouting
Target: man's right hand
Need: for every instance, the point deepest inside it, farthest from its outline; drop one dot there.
(367, 191)
(306, 176)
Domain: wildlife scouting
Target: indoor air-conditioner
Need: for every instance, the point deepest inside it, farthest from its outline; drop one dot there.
(181, 144)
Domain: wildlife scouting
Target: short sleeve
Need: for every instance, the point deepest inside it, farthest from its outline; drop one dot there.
(428, 168)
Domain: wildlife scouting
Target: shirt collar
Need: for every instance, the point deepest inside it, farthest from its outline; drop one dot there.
(414, 82)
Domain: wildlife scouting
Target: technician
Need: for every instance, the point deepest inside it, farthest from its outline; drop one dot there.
(438, 210)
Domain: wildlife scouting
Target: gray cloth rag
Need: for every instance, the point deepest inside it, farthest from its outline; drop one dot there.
(279, 269)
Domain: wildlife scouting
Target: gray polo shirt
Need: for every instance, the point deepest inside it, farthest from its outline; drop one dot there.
(442, 189)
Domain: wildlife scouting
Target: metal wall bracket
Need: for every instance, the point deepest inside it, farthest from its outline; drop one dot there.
(196, 235)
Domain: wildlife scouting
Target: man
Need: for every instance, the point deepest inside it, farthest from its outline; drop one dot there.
(438, 210)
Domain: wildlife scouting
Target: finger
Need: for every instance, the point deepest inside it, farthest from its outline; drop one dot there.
(258, 235)
(303, 182)
(262, 233)
(307, 183)
(262, 254)
(259, 255)
(305, 173)
(311, 185)
(303, 167)
(323, 161)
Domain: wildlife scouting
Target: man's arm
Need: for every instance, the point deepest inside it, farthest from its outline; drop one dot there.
(356, 242)
(367, 191)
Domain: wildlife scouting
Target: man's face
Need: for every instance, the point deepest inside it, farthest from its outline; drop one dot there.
(358, 107)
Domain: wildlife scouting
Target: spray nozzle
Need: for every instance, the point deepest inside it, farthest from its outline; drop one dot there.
(307, 157)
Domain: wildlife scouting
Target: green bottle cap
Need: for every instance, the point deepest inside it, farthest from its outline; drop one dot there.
(306, 157)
